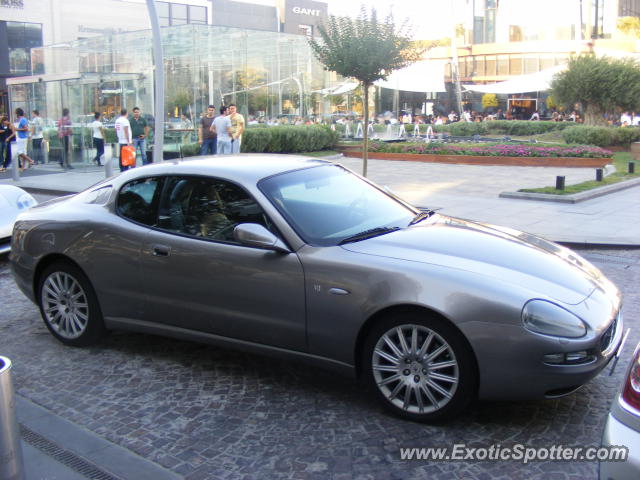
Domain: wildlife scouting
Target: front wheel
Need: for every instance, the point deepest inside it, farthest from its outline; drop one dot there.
(420, 367)
(69, 306)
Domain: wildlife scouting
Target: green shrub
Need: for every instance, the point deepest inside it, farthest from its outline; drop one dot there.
(600, 136)
(190, 149)
(289, 139)
(502, 127)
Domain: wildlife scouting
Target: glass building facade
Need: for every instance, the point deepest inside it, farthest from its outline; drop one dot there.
(266, 74)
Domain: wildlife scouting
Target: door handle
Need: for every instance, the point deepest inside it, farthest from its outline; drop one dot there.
(161, 250)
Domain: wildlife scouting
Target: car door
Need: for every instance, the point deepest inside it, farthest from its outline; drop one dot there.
(113, 249)
(199, 278)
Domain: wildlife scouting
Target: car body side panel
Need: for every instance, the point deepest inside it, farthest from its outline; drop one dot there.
(374, 284)
(103, 245)
(230, 290)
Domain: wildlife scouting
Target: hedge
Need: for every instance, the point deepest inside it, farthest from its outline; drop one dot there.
(289, 139)
(504, 127)
(280, 139)
(601, 136)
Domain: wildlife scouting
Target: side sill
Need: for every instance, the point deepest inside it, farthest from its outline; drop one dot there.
(226, 342)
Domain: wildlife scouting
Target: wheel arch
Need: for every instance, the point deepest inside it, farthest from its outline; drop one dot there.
(45, 262)
(407, 308)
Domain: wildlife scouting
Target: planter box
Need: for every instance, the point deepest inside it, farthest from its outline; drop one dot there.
(486, 160)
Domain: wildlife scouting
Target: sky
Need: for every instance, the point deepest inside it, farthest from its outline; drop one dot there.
(429, 19)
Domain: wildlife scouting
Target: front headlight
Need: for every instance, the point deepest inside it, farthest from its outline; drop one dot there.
(547, 318)
(26, 201)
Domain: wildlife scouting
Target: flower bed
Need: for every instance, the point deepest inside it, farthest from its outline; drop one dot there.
(490, 154)
(492, 149)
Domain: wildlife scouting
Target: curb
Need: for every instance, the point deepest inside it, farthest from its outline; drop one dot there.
(574, 198)
(81, 449)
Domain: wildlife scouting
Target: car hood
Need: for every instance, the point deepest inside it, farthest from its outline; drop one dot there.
(547, 269)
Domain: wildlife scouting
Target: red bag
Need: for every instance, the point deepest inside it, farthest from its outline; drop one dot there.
(128, 156)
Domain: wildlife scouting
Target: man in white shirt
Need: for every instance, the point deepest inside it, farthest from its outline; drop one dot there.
(625, 119)
(123, 130)
(221, 126)
(37, 136)
(98, 137)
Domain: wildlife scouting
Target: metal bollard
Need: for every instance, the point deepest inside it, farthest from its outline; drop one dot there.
(107, 161)
(11, 461)
(560, 182)
(599, 174)
(15, 165)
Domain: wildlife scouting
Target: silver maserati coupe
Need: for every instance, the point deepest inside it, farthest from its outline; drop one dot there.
(301, 258)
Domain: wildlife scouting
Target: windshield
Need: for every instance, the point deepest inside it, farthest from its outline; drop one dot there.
(328, 204)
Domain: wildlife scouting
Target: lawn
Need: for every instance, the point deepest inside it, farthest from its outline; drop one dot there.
(620, 161)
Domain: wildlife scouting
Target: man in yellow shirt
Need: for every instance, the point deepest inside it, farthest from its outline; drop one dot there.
(237, 128)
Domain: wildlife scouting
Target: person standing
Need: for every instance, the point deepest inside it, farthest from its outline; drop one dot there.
(98, 137)
(123, 130)
(37, 136)
(139, 132)
(237, 128)
(21, 135)
(64, 134)
(222, 128)
(6, 130)
(206, 137)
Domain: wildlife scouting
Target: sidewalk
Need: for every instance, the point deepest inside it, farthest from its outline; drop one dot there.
(465, 191)
(56, 449)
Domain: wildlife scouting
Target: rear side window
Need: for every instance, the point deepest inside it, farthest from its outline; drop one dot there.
(137, 200)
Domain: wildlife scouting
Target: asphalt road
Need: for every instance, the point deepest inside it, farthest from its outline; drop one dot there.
(205, 412)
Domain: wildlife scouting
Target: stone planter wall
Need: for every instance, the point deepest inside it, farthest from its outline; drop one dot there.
(486, 160)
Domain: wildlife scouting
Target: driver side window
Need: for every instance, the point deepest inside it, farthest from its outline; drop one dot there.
(207, 208)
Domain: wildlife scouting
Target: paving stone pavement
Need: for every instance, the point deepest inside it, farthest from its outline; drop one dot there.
(210, 413)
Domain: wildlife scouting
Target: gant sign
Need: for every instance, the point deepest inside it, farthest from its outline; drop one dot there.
(306, 11)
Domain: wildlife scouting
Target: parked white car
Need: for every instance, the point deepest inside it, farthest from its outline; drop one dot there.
(13, 200)
(623, 426)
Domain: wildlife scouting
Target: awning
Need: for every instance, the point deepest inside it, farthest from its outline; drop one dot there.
(345, 87)
(534, 82)
(425, 76)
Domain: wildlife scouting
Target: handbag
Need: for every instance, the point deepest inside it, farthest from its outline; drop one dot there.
(128, 156)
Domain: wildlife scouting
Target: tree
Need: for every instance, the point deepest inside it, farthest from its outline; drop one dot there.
(367, 50)
(629, 25)
(489, 100)
(600, 84)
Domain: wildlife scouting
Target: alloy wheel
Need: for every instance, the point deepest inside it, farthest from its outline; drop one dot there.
(65, 305)
(415, 369)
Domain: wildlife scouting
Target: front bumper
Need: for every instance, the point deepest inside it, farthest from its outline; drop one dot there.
(514, 368)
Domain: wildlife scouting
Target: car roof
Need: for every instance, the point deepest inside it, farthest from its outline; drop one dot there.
(242, 168)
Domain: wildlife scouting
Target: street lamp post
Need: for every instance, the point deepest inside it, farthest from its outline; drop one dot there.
(158, 62)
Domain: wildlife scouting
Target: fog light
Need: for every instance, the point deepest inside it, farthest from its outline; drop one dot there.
(554, 358)
(571, 358)
(576, 356)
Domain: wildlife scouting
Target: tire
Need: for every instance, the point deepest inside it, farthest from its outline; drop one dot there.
(69, 306)
(429, 379)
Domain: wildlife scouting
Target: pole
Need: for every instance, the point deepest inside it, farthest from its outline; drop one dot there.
(455, 69)
(158, 62)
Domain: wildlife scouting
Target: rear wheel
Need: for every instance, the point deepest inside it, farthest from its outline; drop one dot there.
(69, 306)
(420, 367)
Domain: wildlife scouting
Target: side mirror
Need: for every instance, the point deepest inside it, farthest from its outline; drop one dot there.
(255, 235)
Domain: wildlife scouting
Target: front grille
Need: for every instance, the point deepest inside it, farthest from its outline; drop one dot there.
(609, 334)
